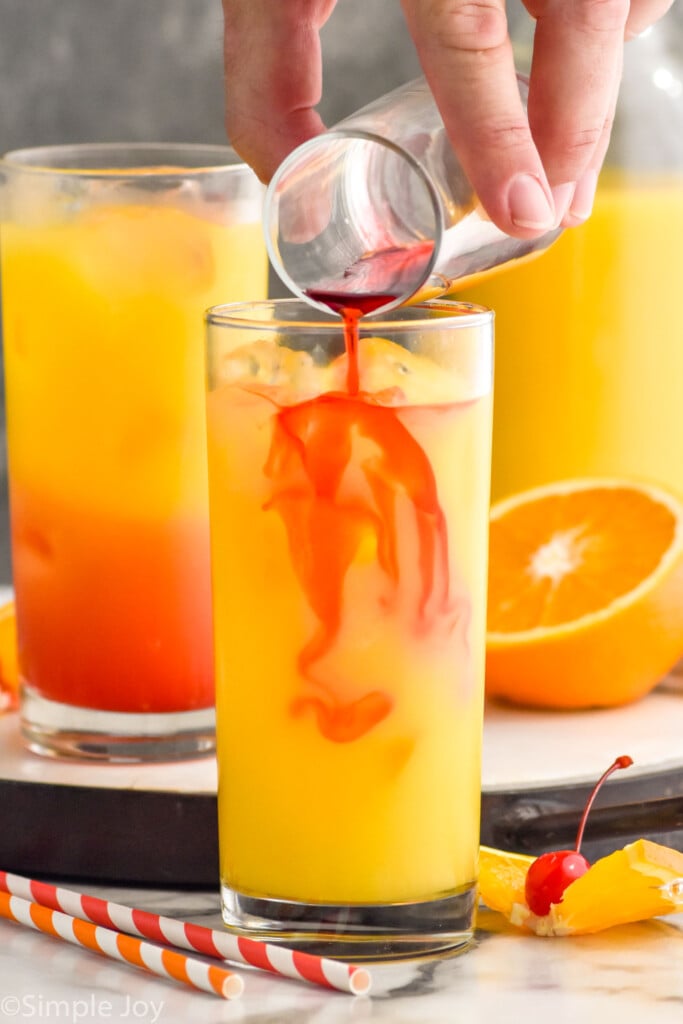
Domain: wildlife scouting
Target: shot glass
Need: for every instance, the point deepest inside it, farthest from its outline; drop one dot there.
(110, 255)
(380, 205)
(349, 547)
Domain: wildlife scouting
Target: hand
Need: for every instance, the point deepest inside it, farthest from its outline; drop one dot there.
(530, 172)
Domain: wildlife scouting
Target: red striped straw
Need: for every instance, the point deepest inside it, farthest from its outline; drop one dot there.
(166, 963)
(267, 956)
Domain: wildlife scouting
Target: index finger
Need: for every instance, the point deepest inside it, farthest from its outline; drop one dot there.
(467, 59)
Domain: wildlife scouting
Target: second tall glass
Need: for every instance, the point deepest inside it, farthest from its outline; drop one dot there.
(110, 255)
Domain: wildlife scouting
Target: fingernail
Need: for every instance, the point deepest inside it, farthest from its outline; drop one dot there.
(528, 204)
(562, 197)
(584, 195)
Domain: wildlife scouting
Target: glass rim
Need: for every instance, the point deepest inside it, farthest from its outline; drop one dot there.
(456, 314)
(346, 134)
(44, 160)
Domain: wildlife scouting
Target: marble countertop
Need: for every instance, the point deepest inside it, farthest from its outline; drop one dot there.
(632, 975)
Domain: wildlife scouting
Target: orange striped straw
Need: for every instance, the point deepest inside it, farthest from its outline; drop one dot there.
(166, 963)
(266, 956)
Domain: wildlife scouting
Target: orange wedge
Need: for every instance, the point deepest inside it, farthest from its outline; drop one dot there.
(9, 669)
(585, 593)
(641, 881)
(501, 878)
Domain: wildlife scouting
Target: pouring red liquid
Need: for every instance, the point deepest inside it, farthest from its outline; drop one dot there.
(311, 449)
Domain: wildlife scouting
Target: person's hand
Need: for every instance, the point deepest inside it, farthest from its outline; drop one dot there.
(516, 164)
(530, 172)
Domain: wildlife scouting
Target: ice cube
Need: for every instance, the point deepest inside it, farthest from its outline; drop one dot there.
(289, 375)
(396, 376)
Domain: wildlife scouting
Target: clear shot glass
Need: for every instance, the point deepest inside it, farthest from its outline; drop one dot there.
(379, 206)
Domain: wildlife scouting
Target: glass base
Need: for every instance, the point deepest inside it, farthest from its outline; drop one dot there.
(364, 931)
(62, 730)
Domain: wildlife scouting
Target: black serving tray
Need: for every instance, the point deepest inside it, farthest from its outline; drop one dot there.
(157, 824)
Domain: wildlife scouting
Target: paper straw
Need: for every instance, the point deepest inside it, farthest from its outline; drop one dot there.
(166, 963)
(266, 956)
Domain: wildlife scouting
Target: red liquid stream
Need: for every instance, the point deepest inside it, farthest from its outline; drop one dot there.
(351, 308)
(311, 449)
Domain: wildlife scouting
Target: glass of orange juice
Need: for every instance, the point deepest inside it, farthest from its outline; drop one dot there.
(110, 255)
(349, 486)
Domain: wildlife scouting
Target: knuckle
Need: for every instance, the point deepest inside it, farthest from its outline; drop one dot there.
(583, 141)
(511, 134)
(506, 135)
(469, 24)
(601, 15)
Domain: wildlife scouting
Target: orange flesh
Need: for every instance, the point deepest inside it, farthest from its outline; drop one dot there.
(568, 555)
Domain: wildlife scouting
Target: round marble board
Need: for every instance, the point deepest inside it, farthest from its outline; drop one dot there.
(152, 824)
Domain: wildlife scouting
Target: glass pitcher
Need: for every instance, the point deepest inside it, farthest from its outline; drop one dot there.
(589, 360)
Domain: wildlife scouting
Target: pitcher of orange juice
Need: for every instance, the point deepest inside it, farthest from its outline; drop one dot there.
(589, 362)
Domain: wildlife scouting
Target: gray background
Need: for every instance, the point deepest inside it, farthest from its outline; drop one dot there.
(151, 70)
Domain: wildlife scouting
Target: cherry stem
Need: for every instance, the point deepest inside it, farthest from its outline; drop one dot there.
(621, 762)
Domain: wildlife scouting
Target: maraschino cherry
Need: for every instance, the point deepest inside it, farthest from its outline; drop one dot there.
(551, 873)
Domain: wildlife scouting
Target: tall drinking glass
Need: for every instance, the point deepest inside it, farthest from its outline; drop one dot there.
(349, 538)
(110, 255)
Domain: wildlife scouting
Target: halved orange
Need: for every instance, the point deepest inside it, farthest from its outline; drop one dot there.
(585, 593)
(640, 881)
(9, 669)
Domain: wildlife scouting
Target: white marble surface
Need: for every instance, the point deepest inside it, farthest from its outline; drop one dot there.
(630, 975)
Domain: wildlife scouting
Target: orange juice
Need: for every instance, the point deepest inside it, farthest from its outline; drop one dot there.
(348, 556)
(589, 346)
(106, 434)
